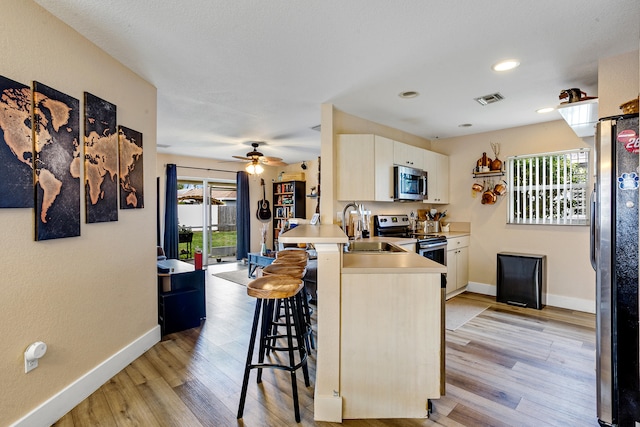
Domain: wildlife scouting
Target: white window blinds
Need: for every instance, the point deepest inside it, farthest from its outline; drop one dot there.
(549, 188)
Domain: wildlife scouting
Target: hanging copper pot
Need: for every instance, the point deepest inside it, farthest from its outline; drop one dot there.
(501, 188)
(477, 187)
(489, 197)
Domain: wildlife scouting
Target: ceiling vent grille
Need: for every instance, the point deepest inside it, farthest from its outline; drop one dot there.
(489, 99)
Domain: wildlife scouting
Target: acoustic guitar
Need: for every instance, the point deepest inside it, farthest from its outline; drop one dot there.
(263, 213)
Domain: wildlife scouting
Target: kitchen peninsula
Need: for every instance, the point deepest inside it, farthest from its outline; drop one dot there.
(379, 329)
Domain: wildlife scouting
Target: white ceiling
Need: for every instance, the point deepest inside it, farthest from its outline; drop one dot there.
(230, 72)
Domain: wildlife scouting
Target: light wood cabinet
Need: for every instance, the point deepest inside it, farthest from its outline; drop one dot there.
(389, 344)
(364, 168)
(411, 247)
(437, 167)
(408, 155)
(457, 264)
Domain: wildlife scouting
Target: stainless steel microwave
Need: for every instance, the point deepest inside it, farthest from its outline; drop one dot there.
(409, 184)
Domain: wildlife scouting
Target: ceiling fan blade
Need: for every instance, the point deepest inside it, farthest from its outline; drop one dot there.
(241, 157)
(273, 161)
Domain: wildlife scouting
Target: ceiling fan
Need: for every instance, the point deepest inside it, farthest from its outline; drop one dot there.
(256, 158)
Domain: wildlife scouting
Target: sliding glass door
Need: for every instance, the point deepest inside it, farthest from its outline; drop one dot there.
(206, 218)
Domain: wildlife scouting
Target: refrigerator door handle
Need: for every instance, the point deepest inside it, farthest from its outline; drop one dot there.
(592, 228)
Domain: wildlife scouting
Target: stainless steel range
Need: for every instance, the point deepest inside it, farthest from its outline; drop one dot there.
(391, 226)
(432, 246)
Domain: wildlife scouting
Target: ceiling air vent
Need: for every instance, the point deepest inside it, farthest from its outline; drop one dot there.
(489, 99)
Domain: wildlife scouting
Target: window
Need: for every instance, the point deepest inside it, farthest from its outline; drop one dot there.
(549, 188)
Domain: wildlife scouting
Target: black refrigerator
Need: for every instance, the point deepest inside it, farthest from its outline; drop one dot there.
(614, 256)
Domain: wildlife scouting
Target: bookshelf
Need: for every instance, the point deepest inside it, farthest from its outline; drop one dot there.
(288, 202)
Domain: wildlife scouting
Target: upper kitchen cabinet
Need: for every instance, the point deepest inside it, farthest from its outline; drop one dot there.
(437, 167)
(364, 168)
(408, 155)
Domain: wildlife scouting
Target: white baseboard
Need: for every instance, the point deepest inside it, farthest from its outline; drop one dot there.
(54, 408)
(578, 304)
(481, 288)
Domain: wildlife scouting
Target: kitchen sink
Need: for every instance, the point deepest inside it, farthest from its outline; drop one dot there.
(375, 247)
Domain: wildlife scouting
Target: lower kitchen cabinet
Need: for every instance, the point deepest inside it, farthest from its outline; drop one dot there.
(457, 264)
(411, 247)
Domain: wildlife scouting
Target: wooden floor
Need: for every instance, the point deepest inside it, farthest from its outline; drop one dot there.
(508, 366)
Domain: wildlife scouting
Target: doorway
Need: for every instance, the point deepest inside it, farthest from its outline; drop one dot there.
(207, 219)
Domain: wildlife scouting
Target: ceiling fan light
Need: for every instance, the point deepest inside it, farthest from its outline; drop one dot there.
(254, 168)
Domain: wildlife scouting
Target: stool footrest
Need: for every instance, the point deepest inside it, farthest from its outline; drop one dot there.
(279, 366)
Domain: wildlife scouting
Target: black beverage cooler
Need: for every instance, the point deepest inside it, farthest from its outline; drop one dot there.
(521, 279)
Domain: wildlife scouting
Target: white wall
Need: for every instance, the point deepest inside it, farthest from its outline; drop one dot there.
(570, 278)
(90, 298)
(618, 82)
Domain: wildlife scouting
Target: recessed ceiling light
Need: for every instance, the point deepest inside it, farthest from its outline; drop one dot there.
(408, 94)
(545, 110)
(465, 125)
(506, 65)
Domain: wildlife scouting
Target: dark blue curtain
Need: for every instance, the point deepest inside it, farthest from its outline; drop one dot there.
(171, 214)
(243, 217)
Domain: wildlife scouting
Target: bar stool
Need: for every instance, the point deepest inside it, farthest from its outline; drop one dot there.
(298, 257)
(268, 290)
(299, 254)
(296, 271)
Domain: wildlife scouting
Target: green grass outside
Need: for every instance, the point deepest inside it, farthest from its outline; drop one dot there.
(218, 238)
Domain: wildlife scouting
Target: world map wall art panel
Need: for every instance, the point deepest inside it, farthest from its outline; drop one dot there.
(131, 172)
(16, 145)
(100, 160)
(57, 163)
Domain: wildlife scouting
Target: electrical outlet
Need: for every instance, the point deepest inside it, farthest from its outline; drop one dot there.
(31, 355)
(30, 365)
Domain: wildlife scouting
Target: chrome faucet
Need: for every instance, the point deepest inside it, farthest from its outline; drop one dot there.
(344, 214)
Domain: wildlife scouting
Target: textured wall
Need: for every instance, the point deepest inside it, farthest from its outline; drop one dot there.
(569, 272)
(87, 297)
(618, 82)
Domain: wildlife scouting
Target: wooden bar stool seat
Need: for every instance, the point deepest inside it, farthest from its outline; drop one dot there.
(292, 270)
(292, 254)
(268, 291)
(290, 261)
(274, 288)
(297, 271)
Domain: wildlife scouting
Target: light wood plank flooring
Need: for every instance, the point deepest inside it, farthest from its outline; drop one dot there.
(506, 367)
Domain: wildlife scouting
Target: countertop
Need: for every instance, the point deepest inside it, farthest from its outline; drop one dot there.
(403, 240)
(394, 263)
(329, 233)
(364, 263)
(332, 233)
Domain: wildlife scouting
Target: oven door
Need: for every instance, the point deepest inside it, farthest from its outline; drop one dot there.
(435, 251)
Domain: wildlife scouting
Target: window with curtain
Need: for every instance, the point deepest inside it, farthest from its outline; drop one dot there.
(549, 189)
